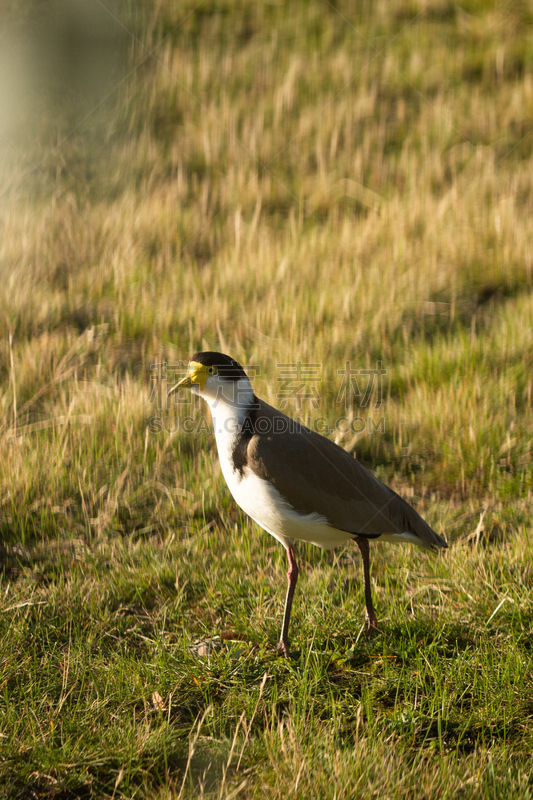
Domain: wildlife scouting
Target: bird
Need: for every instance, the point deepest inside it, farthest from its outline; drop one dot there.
(295, 483)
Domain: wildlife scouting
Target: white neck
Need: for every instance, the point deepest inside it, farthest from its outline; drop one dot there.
(229, 407)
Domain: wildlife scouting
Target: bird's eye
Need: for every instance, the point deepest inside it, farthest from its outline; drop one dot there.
(210, 370)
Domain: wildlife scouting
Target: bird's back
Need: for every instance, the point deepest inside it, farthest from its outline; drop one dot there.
(315, 475)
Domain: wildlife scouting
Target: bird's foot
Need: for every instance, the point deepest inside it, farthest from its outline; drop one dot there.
(371, 625)
(283, 649)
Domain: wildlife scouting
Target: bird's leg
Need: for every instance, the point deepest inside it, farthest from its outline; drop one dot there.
(371, 619)
(292, 577)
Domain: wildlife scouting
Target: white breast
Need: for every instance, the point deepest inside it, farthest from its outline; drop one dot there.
(261, 500)
(265, 505)
(258, 497)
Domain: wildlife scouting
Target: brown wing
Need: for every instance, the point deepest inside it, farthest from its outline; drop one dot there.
(314, 474)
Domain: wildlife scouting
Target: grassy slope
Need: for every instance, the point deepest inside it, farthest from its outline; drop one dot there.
(283, 181)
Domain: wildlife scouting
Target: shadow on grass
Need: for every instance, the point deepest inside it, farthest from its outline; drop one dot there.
(154, 767)
(464, 737)
(412, 636)
(47, 790)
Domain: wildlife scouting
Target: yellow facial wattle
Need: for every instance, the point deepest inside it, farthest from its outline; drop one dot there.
(198, 373)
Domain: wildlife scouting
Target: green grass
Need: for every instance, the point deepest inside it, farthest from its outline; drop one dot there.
(314, 182)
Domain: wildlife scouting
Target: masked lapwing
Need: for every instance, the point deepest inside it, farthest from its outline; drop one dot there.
(295, 483)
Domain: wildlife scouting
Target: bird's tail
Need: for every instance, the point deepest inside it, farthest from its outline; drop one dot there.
(421, 533)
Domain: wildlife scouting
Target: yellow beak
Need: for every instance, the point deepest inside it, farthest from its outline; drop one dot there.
(197, 374)
(183, 384)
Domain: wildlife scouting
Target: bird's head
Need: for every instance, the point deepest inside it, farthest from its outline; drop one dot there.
(217, 378)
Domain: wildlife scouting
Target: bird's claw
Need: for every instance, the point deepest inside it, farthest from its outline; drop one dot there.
(371, 625)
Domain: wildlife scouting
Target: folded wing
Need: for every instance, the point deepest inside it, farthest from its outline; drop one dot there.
(314, 474)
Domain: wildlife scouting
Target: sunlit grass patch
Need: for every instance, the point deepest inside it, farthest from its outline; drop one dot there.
(284, 182)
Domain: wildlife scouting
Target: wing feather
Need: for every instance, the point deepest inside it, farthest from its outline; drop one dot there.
(314, 474)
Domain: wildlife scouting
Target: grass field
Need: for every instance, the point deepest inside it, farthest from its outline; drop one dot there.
(314, 182)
